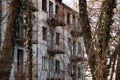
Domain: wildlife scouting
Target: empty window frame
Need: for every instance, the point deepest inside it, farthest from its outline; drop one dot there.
(51, 64)
(79, 48)
(44, 30)
(51, 10)
(44, 63)
(56, 9)
(68, 18)
(74, 48)
(20, 61)
(57, 66)
(57, 38)
(79, 73)
(73, 20)
(69, 44)
(69, 69)
(44, 5)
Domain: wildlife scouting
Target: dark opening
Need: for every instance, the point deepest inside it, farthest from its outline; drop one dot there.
(57, 38)
(68, 18)
(60, 1)
(74, 48)
(44, 5)
(56, 9)
(20, 61)
(44, 30)
(57, 66)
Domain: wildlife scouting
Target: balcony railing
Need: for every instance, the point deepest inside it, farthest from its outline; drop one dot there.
(53, 75)
(55, 19)
(76, 58)
(53, 48)
(76, 31)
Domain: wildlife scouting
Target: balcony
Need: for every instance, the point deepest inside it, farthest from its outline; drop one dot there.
(76, 58)
(20, 41)
(54, 20)
(53, 75)
(53, 48)
(76, 31)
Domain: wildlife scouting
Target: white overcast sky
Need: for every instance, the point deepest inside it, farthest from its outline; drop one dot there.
(71, 3)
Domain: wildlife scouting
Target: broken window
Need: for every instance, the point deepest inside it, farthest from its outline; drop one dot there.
(44, 5)
(57, 38)
(44, 30)
(20, 61)
(44, 62)
(57, 66)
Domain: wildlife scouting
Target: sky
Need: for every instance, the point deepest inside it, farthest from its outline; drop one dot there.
(71, 3)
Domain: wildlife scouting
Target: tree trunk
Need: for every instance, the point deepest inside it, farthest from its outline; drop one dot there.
(118, 64)
(104, 36)
(6, 57)
(84, 22)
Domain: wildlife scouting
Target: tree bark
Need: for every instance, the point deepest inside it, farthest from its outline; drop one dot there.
(118, 63)
(84, 22)
(6, 57)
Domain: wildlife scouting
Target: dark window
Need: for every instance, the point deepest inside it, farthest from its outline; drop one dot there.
(73, 20)
(69, 69)
(44, 5)
(79, 48)
(68, 18)
(60, 1)
(51, 9)
(57, 38)
(69, 44)
(74, 48)
(44, 33)
(20, 61)
(79, 73)
(56, 9)
(57, 66)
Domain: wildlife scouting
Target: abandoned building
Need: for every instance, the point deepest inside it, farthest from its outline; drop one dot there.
(57, 44)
